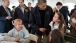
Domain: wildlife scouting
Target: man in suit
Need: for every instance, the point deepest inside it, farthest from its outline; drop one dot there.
(5, 17)
(30, 7)
(22, 12)
(64, 10)
(13, 10)
(30, 11)
(39, 20)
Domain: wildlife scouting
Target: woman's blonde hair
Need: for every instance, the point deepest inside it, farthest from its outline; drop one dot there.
(16, 21)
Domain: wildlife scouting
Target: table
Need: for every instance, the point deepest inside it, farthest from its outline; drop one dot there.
(7, 42)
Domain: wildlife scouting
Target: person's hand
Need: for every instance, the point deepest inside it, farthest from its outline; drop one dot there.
(8, 17)
(42, 29)
(28, 25)
(17, 39)
(72, 24)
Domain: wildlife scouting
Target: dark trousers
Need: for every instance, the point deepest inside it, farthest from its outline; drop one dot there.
(26, 25)
(44, 39)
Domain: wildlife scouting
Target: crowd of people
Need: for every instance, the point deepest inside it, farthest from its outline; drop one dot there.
(47, 23)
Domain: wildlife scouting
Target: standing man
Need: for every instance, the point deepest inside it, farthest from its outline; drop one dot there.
(21, 12)
(5, 17)
(30, 11)
(64, 10)
(13, 10)
(30, 7)
(40, 19)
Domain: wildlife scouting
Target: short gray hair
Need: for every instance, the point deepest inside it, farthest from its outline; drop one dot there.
(42, 1)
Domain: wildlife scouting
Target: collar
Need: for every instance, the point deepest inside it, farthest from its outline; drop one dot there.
(4, 7)
(60, 8)
(22, 7)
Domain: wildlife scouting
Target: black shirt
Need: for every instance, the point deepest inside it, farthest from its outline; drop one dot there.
(42, 14)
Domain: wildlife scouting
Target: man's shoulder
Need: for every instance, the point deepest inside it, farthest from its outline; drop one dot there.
(64, 7)
(34, 9)
(1, 7)
(49, 8)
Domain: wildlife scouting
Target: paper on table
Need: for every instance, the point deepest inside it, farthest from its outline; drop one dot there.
(73, 20)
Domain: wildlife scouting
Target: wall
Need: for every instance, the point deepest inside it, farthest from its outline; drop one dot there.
(51, 3)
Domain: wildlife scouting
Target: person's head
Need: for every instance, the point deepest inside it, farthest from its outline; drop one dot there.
(75, 6)
(17, 24)
(56, 36)
(29, 4)
(6, 3)
(36, 4)
(14, 7)
(54, 9)
(42, 4)
(21, 2)
(58, 17)
(59, 5)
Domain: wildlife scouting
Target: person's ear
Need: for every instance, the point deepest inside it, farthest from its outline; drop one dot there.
(13, 22)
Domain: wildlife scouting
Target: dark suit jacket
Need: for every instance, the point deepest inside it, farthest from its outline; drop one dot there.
(5, 25)
(19, 14)
(30, 11)
(35, 20)
(64, 11)
(23, 16)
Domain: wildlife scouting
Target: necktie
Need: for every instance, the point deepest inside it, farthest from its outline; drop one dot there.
(7, 12)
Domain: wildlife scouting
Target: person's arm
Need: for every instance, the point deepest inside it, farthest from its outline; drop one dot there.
(32, 21)
(51, 14)
(9, 36)
(2, 18)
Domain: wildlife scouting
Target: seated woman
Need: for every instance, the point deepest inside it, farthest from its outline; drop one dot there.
(73, 24)
(18, 33)
(56, 37)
